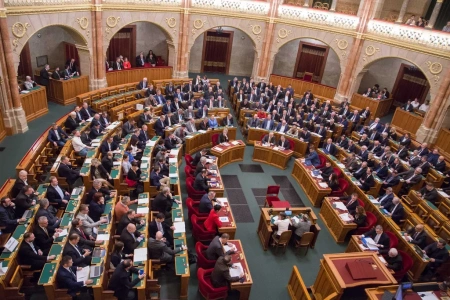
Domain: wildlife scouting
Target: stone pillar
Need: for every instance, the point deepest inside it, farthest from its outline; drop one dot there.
(99, 57)
(85, 61)
(434, 14)
(180, 64)
(360, 8)
(377, 10)
(333, 5)
(402, 13)
(14, 116)
(172, 60)
(306, 4)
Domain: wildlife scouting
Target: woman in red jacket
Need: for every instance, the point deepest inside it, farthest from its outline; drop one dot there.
(213, 223)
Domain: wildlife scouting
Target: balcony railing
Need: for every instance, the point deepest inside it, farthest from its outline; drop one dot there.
(146, 2)
(248, 7)
(12, 3)
(317, 16)
(410, 34)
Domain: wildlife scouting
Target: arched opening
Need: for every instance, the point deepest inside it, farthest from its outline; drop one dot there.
(308, 59)
(226, 50)
(141, 36)
(54, 45)
(402, 79)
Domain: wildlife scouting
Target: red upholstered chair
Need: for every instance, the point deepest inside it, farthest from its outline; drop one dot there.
(292, 144)
(343, 185)
(192, 207)
(202, 261)
(206, 288)
(188, 159)
(338, 172)
(272, 195)
(199, 231)
(215, 139)
(371, 222)
(192, 193)
(407, 264)
(360, 203)
(393, 241)
(323, 160)
(308, 76)
(188, 170)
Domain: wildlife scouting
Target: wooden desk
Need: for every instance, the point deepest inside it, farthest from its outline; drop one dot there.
(34, 103)
(377, 293)
(296, 287)
(217, 186)
(330, 216)
(226, 211)
(197, 141)
(378, 108)
(333, 278)
(314, 192)
(266, 227)
(405, 121)
(65, 91)
(136, 75)
(271, 155)
(230, 152)
(301, 86)
(239, 257)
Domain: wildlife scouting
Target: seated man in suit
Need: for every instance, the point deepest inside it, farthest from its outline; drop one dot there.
(81, 257)
(379, 237)
(44, 205)
(327, 170)
(72, 123)
(172, 142)
(385, 200)
(108, 145)
(66, 278)
(158, 224)
(367, 181)
(158, 179)
(160, 125)
(130, 217)
(396, 210)
(394, 260)
(440, 164)
(351, 202)
(30, 254)
(313, 157)
(66, 170)
(19, 184)
(438, 255)
(392, 180)
(57, 136)
(411, 177)
(202, 112)
(86, 112)
(201, 181)
(283, 144)
(8, 218)
(130, 238)
(408, 106)
(428, 193)
(44, 233)
(25, 200)
(220, 276)
(158, 249)
(206, 202)
(163, 202)
(159, 98)
(269, 139)
(282, 127)
(120, 281)
(55, 194)
(417, 236)
(215, 248)
(382, 170)
(329, 147)
(228, 121)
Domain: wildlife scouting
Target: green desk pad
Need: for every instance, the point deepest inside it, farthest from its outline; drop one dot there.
(66, 219)
(103, 226)
(431, 205)
(47, 273)
(84, 170)
(33, 212)
(155, 138)
(177, 243)
(90, 153)
(181, 265)
(95, 281)
(20, 230)
(134, 276)
(42, 188)
(143, 196)
(176, 213)
(114, 173)
(147, 151)
(108, 208)
(71, 206)
(133, 206)
(382, 211)
(56, 250)
(144, 175)
(35, 88)
(178, 234)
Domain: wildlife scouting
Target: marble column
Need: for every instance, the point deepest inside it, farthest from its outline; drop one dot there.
(434, 14)
(100, 81)
(306, 4)
(378, 8)
(402, 13)
(333, 5)
(180, 66)
(14, 117)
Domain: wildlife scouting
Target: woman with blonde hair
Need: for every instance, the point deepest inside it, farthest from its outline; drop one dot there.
(360, 218)
(99, 172)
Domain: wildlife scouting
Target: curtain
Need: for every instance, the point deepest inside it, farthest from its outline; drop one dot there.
(443, 16)
(311, 61)
(216, 52)
(413, 84)
(120, 44)
(430, 9)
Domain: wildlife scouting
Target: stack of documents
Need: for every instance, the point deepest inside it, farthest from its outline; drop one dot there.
(345, 217)
(237, 270)
(340, 205)
(180, 227)
(323, 185)
(235, 143)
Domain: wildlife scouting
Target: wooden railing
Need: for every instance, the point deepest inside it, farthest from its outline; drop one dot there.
(379, 108)
(136, 75)
(300, 86)
(405, 121)
(34, 103)
(296, 287)
(443, 142)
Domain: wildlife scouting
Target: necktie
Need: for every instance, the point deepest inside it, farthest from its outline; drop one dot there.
(79, 116)
(328, 148)
(78, 250)
(87, 111)
(160, 227)
(60, 192)
(415, 235)
(353, 118)
(109, 146)
(71, 272)
(82, 233)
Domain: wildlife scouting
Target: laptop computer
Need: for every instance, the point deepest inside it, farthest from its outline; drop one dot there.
(96, 271)
(27, 214)
(98, 252)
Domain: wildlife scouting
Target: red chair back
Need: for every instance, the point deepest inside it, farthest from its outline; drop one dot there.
(215, 139)
(202, 261)
(272, 190)
(308, 76)
(199, 231)
(407, 264)
(206, 288)
(371, 222)
(192, 207)
(188, 159)
(343, 185)
(188, 170)
(338, 172)
(292, 144)
(192, 193)
(323, 160)
(393, 241)
(360, 203)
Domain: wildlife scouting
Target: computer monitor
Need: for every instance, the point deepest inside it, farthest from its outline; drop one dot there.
(288, 212)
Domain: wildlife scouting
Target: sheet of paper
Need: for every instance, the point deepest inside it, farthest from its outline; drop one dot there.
(209, 161)
(323, 184)
(63, 233)
(224, 219)
(180, 227)
(340, 165)
(275, 218)
(173, 160)
(174, 151)
(103, 237)
(142, 210)
(340, 205)
(178, 220)
(3, 270)
(296, 219)
(236, 271)
(140, 254)
(143, 201)
(428, 296)
(150, 143)
(202, 131)
(226, 248)
(95, 144)
(83, 274)
(443, 194)
(144, 165)
(371, 243)
(381, 258)
(96, 141)
(173, 175)
(218, 149)
(374, 201)
(87, 160)
(145, 158)
(235, 143)
(345, 217)
(276, 148)
(116, 163)
(222, 201)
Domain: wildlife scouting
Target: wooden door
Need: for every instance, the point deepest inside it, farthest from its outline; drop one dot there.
(217, 51)
(123, 43)
(25, 63)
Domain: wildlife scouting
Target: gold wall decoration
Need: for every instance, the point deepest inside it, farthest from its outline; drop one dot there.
(15, 44)
(435, 67)
(83, 22)
(19, 29)
(171, 22)
(111, 21)
(370, 50)
(256, 29)
(342, 44)
(199, 23)
(283, 33)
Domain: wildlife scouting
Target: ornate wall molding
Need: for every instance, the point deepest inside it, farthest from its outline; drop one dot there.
(247, 7)
(18, 30)
(282, 34)
(369, 51)
(146, 2)
(197, 24)
(435, 69)
(111, 22)
(16, 3)
(84, 24)
(256, 29)
(342, 45)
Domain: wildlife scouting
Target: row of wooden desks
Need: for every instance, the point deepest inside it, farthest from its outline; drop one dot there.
(271, 155)
(203, 138)
(230, 152)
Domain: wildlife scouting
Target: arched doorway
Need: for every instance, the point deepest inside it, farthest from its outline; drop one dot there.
(226, 50)
(304, 56)
(403, 79)
(141, 36)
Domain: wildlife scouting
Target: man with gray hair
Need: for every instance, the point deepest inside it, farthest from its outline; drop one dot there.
(302, 225)
(97, 187)
(44, 204)
(394, 260)
(20, 183)
(29, 83)
(380, 238)
(201, 165)
(206, 202)
(44, 234)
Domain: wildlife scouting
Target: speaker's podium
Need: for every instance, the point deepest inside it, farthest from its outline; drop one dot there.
(347, 272)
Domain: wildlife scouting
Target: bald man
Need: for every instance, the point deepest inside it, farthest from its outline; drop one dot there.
(158, 249)
(19, 184)
(131, 238)
(417, 236)
(394, 260)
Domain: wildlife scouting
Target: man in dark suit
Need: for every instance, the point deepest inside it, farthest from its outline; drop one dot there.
(19, 183)
(215, 248)
(86, 112)
(66, 170)
(72, 66)
(367, 181)
(130, 217)
(108, 145)
(163, 202)
(202, 112)
(360, 171)
(269, 139)
(96, 132)
(424, 165)
(380, 238)
(382, 170)
(67, 278)
(160, 100)
(329, 147)
(386, 200)
(160, 126)
(220, 276)
(56, 75)
(44, 234)
(428, 193)
(351, 202)
(396, 210)
(228, 121)
(158, 224)
(201, 181)
(85, 240)
(52, 221)
(438, 255)
(71, 122)
(394, 260)
(143, 84)
(283, 143)
(30, 254)
(158, 249)
(45, 76)
(57, 136)
(206, 202)
(120, 281)
(118, 65)
(411, 177)
(8, 218)
(392, 180)
(402, 152)
(440, 164)
(326, 171)
(140, 60)
(130, 238)
(408, 106)
(417, 236)
(25, 199)
(423, 150)
(128, 127)
(80, 257)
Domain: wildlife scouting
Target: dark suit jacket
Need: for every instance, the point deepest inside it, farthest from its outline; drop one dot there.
(23, 202)
(386, 200)
(440, 166)
(45, 77)
(369, 182)
(52, 220)
(215, 249)
(223, 138)
(54, 197)
(28, 257)
(129, 242)
(159, 250)
(384, 240)
(17, 187)
(78, 260)
(70, 124)
(420, 239)
(8, 218)
(68, 173)
(332, 149)
(84, 114)
(67, 280)
(153, 228)
(120, 281)
(286, 144)
(52, 135)
(162, 203)
(159, 127)
(43, 240)
(199, 113)
(266, 139)
(431, 196)
(83, 243)
(220, 276)
(394, 263)
(398, 214)
(200, 183)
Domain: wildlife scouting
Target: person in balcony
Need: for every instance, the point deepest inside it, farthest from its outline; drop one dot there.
(411, 21)
(421, 22)
(446, 28)
(126, 63)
